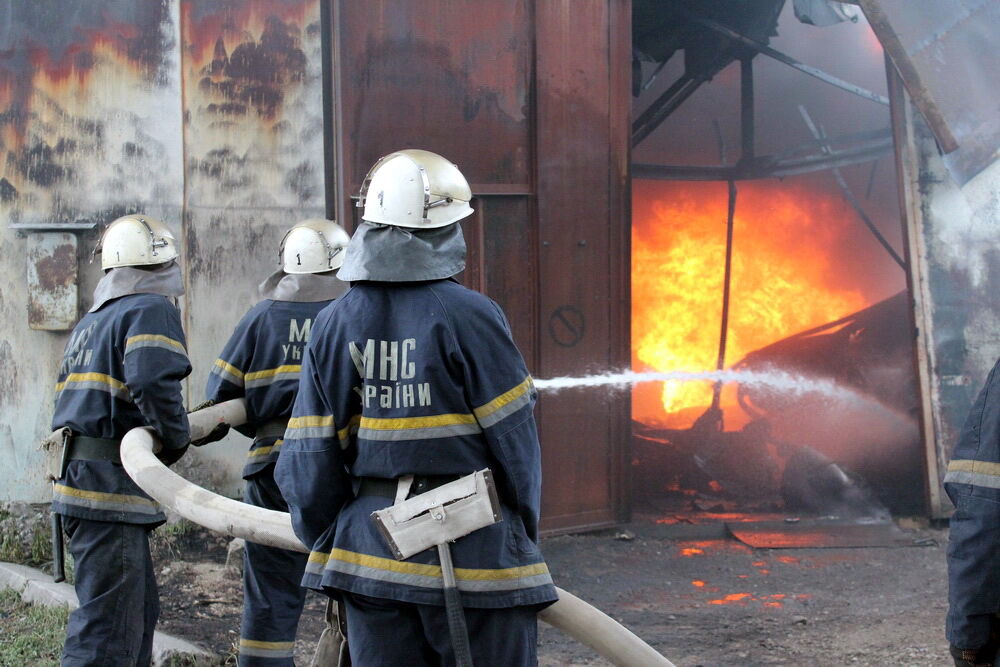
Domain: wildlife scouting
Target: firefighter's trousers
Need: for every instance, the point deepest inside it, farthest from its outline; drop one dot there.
(119, 602)
(272, 594)
(387, 633)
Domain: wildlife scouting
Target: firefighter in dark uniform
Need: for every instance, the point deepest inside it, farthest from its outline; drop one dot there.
(122, 368)
(261, 362)
(409, 373)
(973, 484)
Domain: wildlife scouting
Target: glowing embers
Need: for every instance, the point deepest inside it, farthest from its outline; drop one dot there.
(784, 280)
(689, 549)
(775, 600)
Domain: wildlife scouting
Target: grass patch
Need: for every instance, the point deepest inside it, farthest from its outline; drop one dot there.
(37, 552)
(168, 540)
(33, 550)
(30, 634)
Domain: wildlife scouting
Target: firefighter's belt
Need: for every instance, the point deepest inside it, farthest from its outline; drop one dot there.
(440, 515)
(271, 429)
(386, 488)
(85, 448)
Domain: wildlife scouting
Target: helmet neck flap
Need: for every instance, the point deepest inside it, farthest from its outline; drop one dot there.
(396, 254)
(164, 280)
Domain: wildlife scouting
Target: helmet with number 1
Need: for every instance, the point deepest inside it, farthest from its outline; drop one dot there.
(416, 189)
(313, 246)
(136, 240)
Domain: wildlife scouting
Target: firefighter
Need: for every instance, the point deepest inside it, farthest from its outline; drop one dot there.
(122, 368)
(261, 362)
(973, 484)
(409, 373)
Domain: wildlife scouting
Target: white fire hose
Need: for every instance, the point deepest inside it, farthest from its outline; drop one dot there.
(570, 614)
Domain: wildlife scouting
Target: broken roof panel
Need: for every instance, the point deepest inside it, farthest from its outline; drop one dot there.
(945, 52)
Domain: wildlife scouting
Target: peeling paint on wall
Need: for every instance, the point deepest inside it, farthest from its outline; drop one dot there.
(253, 133)
(252, 103)
(88, 109)
(205, 113)
(90, 129)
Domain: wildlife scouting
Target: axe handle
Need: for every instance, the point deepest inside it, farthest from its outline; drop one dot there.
(58, 548)
(58, 559)
(453, 608)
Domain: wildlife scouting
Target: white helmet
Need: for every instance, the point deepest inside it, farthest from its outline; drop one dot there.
(313, 246)
(415, 188)
(136, 240)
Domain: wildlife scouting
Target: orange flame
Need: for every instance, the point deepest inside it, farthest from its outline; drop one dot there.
(740, 598)
(784, 280)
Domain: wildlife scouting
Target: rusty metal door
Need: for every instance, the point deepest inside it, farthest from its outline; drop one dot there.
(531, 100)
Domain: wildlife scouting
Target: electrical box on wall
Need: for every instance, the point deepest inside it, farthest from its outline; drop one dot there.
(53, 272)
(53, 280)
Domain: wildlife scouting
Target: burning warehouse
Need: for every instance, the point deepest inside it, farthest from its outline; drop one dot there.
(745, 247)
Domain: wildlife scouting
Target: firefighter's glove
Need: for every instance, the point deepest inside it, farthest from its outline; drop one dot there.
(171, 456)
(218, 433)
(974, 657)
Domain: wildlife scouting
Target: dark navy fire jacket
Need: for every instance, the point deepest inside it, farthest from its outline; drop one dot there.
(261, 362)
(122, 368)
(973, 484)
(425, 379)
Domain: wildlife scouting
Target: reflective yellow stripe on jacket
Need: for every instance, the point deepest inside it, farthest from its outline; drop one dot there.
(268, 376)
(977, 473)
(418, 428)
(97, 381)
(99, 500)
(427, 576)
(228, 372)
(505, 404)
(154, 340)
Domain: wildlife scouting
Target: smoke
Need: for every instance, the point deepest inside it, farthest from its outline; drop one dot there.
(788, 383)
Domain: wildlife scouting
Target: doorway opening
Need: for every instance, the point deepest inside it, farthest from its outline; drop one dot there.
(767, 243)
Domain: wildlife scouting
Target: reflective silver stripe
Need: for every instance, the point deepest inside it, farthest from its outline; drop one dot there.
(132, 508)
(265, 653)
(266, 452)
(418, 433)
(509, 409)
(117, 392)
(271, 379)
(226, 374)
(345, 435)
(258, 649)
(974, 478)
(423, 581)
(304, 432)
(272, 429)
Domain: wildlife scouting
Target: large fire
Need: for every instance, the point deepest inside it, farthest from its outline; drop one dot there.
(784, 280)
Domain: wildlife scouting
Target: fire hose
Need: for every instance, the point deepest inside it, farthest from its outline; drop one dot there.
(569, 614)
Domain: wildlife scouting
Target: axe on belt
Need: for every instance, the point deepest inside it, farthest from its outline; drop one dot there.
(61, 439)
(433, 519)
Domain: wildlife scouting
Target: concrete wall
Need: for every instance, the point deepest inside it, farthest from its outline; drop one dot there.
(205, 114)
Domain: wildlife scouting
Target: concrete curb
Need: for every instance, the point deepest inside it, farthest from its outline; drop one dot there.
(36, 587)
